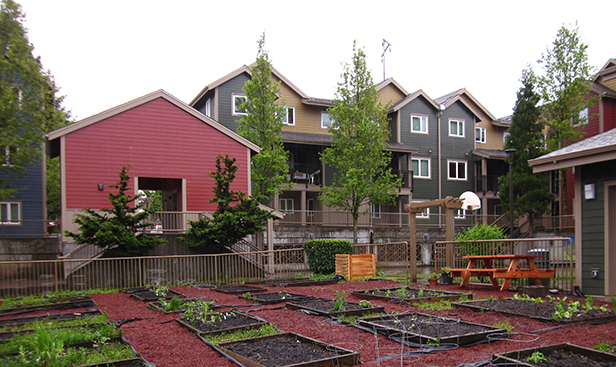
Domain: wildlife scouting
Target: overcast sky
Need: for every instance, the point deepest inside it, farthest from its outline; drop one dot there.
(105, 53)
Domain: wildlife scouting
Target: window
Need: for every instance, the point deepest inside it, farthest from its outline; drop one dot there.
(459, 214)
(326, 121)
(208, 107)
(5, 156)
(582, 117)
(289, 117)
(286, 205)
(423, 215)
(506, 135)
(420, 167)
(480, 134)
(237, 104)
(419, 124)
(10, 213)
(456, 128)
(376, 211)
(456, 170)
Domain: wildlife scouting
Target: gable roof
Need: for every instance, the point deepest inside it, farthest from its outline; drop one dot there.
(406, 100)
(453, 97)
(595, 149)
(246, 69)
(145, 99)
(391, 81)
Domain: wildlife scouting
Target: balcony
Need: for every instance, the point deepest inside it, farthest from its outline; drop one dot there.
(309, 174)
(486, 184)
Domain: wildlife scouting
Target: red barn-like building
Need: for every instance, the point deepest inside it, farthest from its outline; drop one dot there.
(168, 145)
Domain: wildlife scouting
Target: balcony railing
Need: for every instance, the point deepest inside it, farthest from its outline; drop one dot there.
(486, 183)
(305, 173)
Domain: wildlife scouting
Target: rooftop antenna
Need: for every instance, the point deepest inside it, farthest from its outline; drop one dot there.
(386, 46)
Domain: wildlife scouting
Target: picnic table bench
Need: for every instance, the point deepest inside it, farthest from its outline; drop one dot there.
(514, 271)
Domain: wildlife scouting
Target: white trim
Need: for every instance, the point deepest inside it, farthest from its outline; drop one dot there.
(456, 214)
(233, 106)
(286, 206)
(461, 132)
(10, 221)
(323, 113)
(419, 160)
(422, 119)
(376, 214)
(285, 118)
(457, 178)
(483, 138)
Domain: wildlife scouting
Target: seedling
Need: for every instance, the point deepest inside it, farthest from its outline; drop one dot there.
(158, 288)
(504, 325)
(604, 346)
(364, 303)
(339, 301)
(536, 357)
(173, 305)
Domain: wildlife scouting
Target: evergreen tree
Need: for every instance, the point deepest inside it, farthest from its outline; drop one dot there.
(28, 99)
(359, 133)
(262, 125)
(236, 216)
(531, 191)
(119, 230)
(564, 89)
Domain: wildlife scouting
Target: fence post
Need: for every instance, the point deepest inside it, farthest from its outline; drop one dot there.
(55, 273)
(140, 272)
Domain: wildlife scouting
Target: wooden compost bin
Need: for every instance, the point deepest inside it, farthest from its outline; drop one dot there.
(356, 266)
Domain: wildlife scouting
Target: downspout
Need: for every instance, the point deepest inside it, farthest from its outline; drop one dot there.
(441, 108)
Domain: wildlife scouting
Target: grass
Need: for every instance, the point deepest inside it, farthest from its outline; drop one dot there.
(15, 302)
(81, 321)
(353, 319)
(440, 305)
(265, 330)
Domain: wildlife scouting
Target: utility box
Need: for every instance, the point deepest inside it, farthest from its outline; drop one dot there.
(356, 266)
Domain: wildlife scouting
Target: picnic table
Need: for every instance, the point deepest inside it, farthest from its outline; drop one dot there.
(514, 271)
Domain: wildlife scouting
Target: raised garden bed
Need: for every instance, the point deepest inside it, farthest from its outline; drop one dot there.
(325, 307)
(147, 295)
(238, 288)
(428, 329)
(558, 355)
(60, 303)
(299, 282)
(543, 311)
(225, 323)
(156, 306)
(406, 294)
(61, 316)
(288, 350)
(270, 298)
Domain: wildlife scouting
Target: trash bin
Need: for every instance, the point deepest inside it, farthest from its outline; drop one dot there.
(542, 262)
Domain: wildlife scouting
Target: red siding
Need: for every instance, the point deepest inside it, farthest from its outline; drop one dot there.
(609, 113)
(156, 139)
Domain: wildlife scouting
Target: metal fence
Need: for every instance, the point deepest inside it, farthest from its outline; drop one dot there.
(556, 253)
(18, 278)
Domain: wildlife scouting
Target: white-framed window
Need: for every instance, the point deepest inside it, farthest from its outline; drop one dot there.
(326, 121)
(10, 212)
(459, 214)
(286, 205)
(456, 170)
(289, 116)
(480, 134)
(582, 117)
(376, 211)
(456, 128)
(506, 135)
(421, 167)
(238, 99)
(419, 124)
(5, 156)
(208, 107)
(423, 215)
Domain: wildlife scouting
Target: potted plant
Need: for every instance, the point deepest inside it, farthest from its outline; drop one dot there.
(446, 276)
(433, 279)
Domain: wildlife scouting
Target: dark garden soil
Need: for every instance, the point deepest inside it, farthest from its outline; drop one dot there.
(147, 295)
(410, 294)
(544, 310)
(558, 355)
(325, 307)
(164, 342)
(562, 358)
(222, 322)
(61, 303)
(158, 307)
(238, 288)
(269, 298)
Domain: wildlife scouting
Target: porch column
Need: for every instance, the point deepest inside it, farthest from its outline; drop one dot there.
(302, 205)
(484, 183)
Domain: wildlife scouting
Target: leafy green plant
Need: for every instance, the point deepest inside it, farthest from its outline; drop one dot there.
(246, 295)
(504, 325)
(490, 299)
(339, 301)
(604, 346)
(420, 294)
(614, 303)
(173, 305)
(322, 254)
(440, 305)
(265, 330)
(364, 303)
(536, 357)
(158, 288)
(402, 292)
(467, 240)
(197, 311)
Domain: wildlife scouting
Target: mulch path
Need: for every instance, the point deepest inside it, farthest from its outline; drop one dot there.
(164, 342)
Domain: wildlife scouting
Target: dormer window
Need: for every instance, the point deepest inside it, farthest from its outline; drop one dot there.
(238, 100)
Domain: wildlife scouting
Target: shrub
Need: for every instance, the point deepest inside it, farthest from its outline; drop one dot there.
(322, 254)
(476, 233)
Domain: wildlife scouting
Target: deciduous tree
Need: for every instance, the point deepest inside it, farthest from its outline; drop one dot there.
(28, 99)
(262, 125)
(531, 191)
(358, 153)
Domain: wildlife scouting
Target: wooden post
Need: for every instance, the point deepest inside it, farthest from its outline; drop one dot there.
(412, 246)
(449, 220)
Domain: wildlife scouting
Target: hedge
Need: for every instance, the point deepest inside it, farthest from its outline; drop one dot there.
(322, 254)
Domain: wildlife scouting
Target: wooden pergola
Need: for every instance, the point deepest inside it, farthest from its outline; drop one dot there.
(449, 203)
